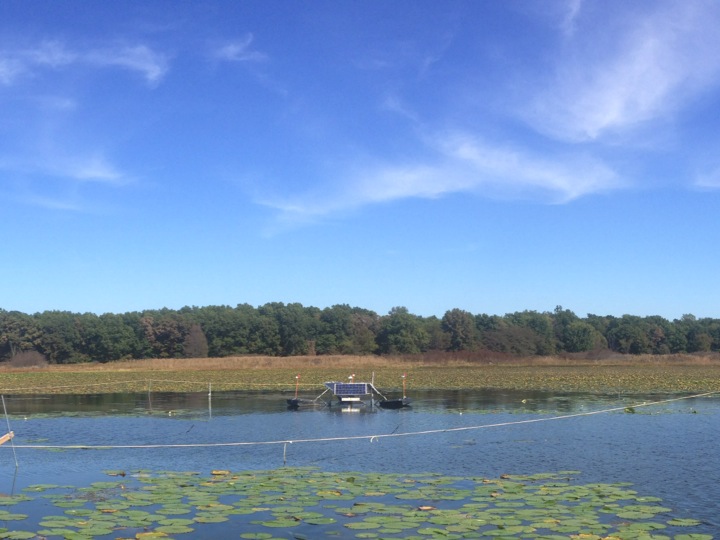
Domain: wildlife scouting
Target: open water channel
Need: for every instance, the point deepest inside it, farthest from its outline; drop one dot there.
(669, 449)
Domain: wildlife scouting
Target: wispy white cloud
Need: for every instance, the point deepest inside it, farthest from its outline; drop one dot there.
(75, 167)
(152, 65)
(613, 77)
(55, 180)
(239, 50)
(51, 203)
(708, 180)
(563, 178)
(462, 164)
(10, 69)
(19, 62)
(394, 104)
(50, 53)
(14, 64)
(42, 149)
(569, 20)
(94, 168)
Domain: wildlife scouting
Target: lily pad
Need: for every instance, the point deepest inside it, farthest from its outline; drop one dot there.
(18, 535)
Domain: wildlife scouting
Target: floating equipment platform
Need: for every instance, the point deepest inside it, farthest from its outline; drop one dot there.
(353, 393)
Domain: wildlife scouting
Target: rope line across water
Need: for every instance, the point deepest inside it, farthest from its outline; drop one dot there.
(371, 438)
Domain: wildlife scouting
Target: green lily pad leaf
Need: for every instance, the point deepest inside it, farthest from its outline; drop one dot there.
(69, 504)
(58, 522)
(686, 522)
(218, 507)
(184, 522)
(14, 499)
(40, 487)
(434, 532)
(174, 529)
(280, 523)
(79, 512)
(175, 510)
(64, 533)
(633, 514)
(115, 473)
(320, 521)
(363, 525)
(18, 535)
(211, 518)
(97, 531)
(646, 526)
(7, 516)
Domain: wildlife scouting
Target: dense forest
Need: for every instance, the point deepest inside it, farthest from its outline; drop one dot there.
(278, 329)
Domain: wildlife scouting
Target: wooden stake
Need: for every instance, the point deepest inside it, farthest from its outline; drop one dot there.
(5, 438)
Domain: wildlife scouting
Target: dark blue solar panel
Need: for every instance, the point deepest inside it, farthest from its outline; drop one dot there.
(350, 389)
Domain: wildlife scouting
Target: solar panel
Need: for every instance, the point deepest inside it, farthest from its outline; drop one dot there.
(349, 389)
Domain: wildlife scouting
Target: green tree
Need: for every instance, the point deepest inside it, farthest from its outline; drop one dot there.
(264, 336)
(365, 328)
(562, 319)
(195, 344)
(629, 334)
(539, 323)
(296, 326)
(402, 333)
(600, 323)
(336, 330)
(165, 332)
(18, 333)
(460, 326)
(226, 329)
(438, 339)
(579, 336)
(512, 339)
(118, 338)
(60, 342)
(658, 331)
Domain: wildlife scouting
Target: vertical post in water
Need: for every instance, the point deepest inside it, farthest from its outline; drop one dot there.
(210, 400)
(149, 395)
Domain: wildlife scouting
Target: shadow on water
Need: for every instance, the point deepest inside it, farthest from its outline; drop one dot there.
(668, 450)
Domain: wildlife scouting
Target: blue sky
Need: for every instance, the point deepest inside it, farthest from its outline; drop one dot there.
(488, 156)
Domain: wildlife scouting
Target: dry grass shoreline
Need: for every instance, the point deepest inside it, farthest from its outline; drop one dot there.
(637, 374)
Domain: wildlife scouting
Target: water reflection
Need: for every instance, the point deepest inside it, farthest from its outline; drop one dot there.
(234, 403)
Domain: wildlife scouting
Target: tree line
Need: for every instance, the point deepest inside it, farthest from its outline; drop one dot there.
(278, 329)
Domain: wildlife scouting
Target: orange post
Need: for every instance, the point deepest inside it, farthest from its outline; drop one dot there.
(5, 438)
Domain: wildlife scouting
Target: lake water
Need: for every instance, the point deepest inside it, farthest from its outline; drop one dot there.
(669, 450)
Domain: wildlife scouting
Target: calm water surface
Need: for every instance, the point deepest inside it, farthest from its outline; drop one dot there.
(670, 450)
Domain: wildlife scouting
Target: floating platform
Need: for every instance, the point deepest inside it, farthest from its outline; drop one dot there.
(352, 395)
(398, 403)
(353, 392)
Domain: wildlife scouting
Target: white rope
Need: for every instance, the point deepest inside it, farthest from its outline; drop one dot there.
(371, 438)
(10, 433)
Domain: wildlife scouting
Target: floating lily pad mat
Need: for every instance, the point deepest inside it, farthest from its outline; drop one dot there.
(306, 503)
